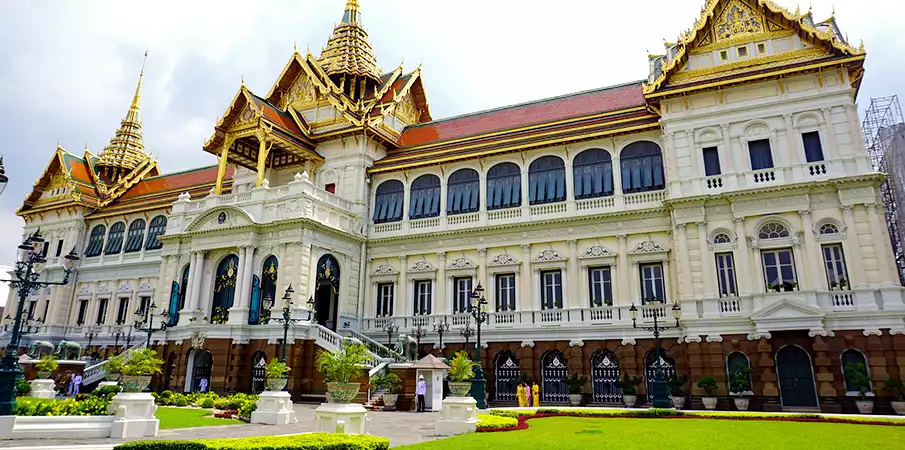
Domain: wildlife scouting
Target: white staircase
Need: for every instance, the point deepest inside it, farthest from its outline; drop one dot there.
(376, 347)
(329, 340)
(93, 374)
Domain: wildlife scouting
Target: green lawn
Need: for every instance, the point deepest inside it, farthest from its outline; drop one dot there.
(189, 418)
(559, 433)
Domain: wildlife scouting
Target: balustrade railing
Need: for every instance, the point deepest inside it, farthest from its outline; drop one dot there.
(548, 208)
(842, 300)
(504, 214)
(459, 219)
(644, 197)
(595, 203)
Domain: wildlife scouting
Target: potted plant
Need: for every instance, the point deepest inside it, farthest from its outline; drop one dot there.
(775, 287)
(789, 286)
(629, 387)
(339, 368)
(856, 376)
(740, 385)
(277, 375)
(393, 386)
(114, 368)
(896, 387)
(575, 383)
(708, 384)
(677, 390)
(45, 366)
(138, 366)
(843, 283)
(460, 374)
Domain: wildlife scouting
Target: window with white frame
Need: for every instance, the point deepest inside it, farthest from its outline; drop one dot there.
(761, 157)
(600, 285)
(834, 263)
(423, 297)
(461, 294)
(711, 157)
(32, 307)
(122, 311)
(725, 274)
(779, 269)
(83, 311)
(101, 311)
(505, 292)
(813, 150)
(385, 299)
(722, 238)
(143, 304)
(551, 289)
(652, 286)
(828, 229)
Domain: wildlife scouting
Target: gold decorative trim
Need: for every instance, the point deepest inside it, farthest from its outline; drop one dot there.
(795, 55)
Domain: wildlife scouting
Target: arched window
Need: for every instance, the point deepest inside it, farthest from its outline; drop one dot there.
(261, 303)
(224, 288)
(546, 180)
(504, 186)
(115, 238)
(738, 362)
(592, 174)
(96, 241)
(773, 230)
(854, 364)
(156, 229)
(642, 167)
(425, 197)
(829, 228)
(136, 236)
(388, 201)
(722, 238)
(463, 191)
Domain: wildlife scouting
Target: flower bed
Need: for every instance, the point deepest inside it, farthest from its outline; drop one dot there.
(93, 404)
(310, 441)
(495, 422)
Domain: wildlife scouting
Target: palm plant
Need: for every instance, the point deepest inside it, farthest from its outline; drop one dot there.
(461, 367)
(342, 365)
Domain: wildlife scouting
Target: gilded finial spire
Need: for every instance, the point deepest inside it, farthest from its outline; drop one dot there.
(126, 149)
(347, 51)
(141, 75)
(351, 12)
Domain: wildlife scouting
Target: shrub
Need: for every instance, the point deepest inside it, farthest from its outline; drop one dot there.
(311, 441)
(343, 365)
(181, 402)
(247, 408)
(161, 445)
(207, 403)
(276, 369)
(221, 403)
(575, 383)
(48, 363)
(89, 406)
(23, 387)
(166, 394)
(629, 384)
(708, 384)
(114, 365)
(143, 361)
(486, 421)
(856, 375)
(107, 391)
(740, 379)
(677, 385)
(895, 387)
(460, 368)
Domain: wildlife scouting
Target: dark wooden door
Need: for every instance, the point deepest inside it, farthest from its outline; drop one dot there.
(507, 377)
(604, 376)
(554, 373)
(796, 377)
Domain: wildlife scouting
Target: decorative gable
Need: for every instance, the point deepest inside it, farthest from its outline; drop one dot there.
(549, 255)
(648, 247)
(503, 259)
(422, 266)
(788, 314)
(596, 251)
(385, 269)
(461, 263)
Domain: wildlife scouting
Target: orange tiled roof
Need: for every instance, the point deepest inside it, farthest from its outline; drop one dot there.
(174, 181)
(275, 115)
(537, 112)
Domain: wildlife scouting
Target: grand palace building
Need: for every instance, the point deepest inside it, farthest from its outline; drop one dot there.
(732, 181)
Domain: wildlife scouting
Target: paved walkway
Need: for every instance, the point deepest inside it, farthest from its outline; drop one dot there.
(402, 428)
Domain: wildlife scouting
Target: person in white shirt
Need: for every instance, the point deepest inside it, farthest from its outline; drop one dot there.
(76, 384)
(203, 385)
(420, 391)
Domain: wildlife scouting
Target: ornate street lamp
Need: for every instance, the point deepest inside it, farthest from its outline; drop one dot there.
(91, 333)
(477, 306)
(3, 178)
(117, 334)
(390, 328)
(27, 326)
(418, 332)
(312, 312)
(467, 331)
(146, 324)
(287, 319)
(29, 264)
(660, 391)
(441, 327)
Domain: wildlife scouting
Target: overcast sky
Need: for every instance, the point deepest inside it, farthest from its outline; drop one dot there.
(69, 68)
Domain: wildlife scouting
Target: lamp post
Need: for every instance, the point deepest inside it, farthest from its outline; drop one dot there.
(146, 324)
(29, 265)
(91, 333)
(467, 331)
(286, 319)
(418, 332)
(477, 306)
(660, 394)
(3, 178)
(441, 327)
(27, 326)
(118, 334)
(390, 328)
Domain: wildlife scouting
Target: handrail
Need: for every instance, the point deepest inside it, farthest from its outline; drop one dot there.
(376, 347)
(330, 340)
(96, 372)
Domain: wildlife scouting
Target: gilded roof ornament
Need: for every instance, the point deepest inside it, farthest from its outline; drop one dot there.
(347, 51)
(126, 149)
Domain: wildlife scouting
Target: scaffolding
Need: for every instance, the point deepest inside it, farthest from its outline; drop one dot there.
(884, 137)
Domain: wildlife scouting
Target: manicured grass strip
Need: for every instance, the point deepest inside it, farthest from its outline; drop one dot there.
(671, 413)
(561, 433)
(309, 441)
(189, 418)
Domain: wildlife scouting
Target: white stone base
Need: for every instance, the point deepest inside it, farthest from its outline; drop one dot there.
(345, 418)
(42, 389)
(134, 413)
(107, 383)
(274, 408)
(55, 427)
(458, 416)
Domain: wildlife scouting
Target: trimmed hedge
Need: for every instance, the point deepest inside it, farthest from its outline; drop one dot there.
(487, 421)
(310, 441)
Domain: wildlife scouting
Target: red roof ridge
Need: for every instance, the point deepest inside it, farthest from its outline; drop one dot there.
(196, 169)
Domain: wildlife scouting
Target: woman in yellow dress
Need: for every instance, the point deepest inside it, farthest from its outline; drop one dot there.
(535, 395)
(522, 395)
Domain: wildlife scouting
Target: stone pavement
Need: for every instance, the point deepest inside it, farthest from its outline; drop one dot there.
(402, 428)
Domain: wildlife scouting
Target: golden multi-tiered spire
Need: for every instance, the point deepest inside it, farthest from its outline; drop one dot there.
(126, 150)
(348, 51)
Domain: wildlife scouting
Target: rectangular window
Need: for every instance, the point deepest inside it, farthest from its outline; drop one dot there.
(724, 55)
(779, 270)
(330, 187)
(83, 311)
(461, 294)
(761, 48)
(59, 248)
(101, 311)
(652, 289)
(813, 151)
(122, 311)
(143, 304)
(422, 297)
(725, 275)
(711, 161)
(761, 157)
(505, 292)
(551, 289)
(384, 299)
(742, 52)
(600, 286)
(32, 307)
(834, 263)
(45, 249)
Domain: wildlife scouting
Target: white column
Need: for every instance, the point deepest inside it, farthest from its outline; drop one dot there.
(623, 290)
(573, 299)
(672, 172)
(441, 306)
(482, 270)
(190, 285)
(830, 151)
(526, 298)
(403, 308)
(526, 205)
(885, 261)
(814, 260)
(794, 156)
(570, 185)
(727, 157)
(805, 281)
(854, 130)
(196, 281)
(859, 276)
(245, 295)
(238, 313)
(369, 299)
(482, 197)
(686, 287)
(708, 265)
(743, 260)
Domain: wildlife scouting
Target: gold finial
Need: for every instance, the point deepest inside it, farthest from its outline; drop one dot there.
(294, 48)
(351, 12)
(141, 75)
(797, 11)
(833, 12)
(243, 80)
(861, 46)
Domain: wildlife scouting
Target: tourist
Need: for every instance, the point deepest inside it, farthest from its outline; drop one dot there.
(522, 394)
(67, 384)
(528, 395)
(420, 391)
(535, 394)
(203, 385)
(76, 384)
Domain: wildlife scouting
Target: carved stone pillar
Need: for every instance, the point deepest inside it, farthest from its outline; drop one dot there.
(745, 283)
(526, 299)
(238, 313)
(854, 248)
(829, 132)
(708, 265)
(623, 294)
(482, 269)
(814, 260)
(794, 157)
(686, 287)
(573, 299)
(403, 308)
(442, 306)
(885, 261)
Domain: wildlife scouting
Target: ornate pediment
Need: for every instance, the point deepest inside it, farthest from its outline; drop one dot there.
(301, 95)
(461, 263)
(219, 218)
(549, 255)
(596, 251)
(648, 247)
(385, 269)
(504, 259)
(125, 287)
(422, 266)
(787, 309)
(103, 290)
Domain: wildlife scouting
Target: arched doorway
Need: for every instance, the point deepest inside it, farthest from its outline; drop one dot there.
(264, 292)
(170, 372)
(200, 363)
(605, 376)
(668, 366)
(224, 288)
(554, 372)
(507, 373)
(257, 372)
(796, 377)
(326, 291)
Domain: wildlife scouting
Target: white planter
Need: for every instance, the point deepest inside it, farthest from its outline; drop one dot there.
(42, 389)
(274, 408)
(575, 399)
(389, 400)
(458, 416)
(741, 403)
(709, 402)
(898, 407)
(865, 406)
(677, 402)
(345, 418)
(629, 400)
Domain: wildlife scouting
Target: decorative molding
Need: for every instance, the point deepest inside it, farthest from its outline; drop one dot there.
(596, 251)
(756, 336)
(198, 338)
(527, 344)
(822, 332)
(504, 259)
(526, 248)
(103, 290)
(422, 266)
(461, 263)
(648, 247)
(628, 341)
(895, 331)
(145, 287)
(385, 269)
(875, 332)
(576, 342)
(690, 339)
(714, 338)
(548, 256)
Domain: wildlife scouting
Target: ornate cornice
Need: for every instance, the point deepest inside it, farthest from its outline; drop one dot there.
(596, 251)
(648, 247)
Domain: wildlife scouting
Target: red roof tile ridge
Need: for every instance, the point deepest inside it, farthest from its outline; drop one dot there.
(181, 172)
